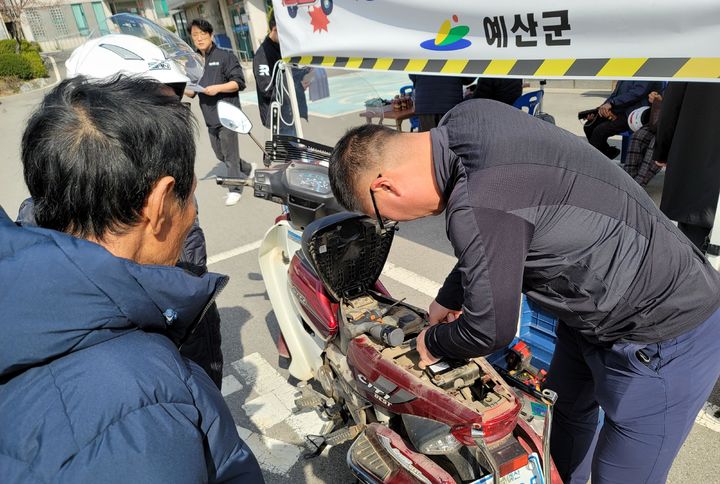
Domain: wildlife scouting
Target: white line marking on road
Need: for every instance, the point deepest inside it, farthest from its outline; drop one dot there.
(408, 278)
(276, 398)
(273, 455)
(230, 385)
(707, 417)
(234, 252)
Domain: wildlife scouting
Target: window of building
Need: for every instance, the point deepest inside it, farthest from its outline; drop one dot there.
(36, 25)
(161, 8)
(58, 20)
(80, 19)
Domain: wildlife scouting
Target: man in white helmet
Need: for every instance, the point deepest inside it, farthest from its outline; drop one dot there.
(106, 57)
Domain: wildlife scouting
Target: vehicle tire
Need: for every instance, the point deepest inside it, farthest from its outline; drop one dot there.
(327, 6)
(292, 11)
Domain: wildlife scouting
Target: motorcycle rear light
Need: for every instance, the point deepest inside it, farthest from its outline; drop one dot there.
(440, 445)
(512, 465)
(406, 463)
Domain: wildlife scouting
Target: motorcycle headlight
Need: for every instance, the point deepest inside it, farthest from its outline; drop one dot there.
(430, 436)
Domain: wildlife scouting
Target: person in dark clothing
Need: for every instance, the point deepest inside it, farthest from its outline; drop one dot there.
(92, 386)
(267, 85)
(221, 80)
(530, 207)
(504, 90)
(611, 118)
(639, 162)
(688, 143)
(204, 344)
(435, 96)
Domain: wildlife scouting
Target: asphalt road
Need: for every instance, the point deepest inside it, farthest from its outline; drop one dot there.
(256, 387)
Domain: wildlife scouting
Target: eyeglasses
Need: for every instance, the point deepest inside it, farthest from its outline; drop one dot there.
(377, 212)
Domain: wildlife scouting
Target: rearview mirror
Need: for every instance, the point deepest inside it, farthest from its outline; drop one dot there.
(233, 118)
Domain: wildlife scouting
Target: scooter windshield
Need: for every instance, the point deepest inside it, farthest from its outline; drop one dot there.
(176, 49)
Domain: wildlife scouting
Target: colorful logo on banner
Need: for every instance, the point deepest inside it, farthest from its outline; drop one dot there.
(449, 38)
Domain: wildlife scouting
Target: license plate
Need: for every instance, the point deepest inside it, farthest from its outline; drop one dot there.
(530, 474)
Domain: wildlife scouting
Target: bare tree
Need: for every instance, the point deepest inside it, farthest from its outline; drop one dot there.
(11, 11)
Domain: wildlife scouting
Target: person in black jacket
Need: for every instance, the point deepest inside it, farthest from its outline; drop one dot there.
(504, 90)
(531, 207)
(688, 143)
(222, 79)
(435, 96)
(612, 115)
(268, 87)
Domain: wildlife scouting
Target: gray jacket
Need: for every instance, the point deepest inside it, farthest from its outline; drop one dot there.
(531, 207)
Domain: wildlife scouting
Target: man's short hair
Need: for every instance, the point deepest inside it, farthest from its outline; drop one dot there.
(357, 152)
(94, 149)
(271, 19)
(202, 24)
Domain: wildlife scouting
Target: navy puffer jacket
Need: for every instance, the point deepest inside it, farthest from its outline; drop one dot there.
(92, 386)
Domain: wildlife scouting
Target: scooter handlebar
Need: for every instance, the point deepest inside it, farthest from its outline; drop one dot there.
(227, 181)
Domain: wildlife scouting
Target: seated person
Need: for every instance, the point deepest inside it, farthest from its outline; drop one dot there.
(639, 162)
(611, 118)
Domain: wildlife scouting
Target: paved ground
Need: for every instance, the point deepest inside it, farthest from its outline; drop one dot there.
(256, 387)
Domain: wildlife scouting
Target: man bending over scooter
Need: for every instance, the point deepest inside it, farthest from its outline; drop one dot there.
(532, 208)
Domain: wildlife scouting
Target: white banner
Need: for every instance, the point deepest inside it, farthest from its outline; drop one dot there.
(521, 38)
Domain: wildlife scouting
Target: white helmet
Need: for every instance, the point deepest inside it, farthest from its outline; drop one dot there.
(125, 54)
(638, 118)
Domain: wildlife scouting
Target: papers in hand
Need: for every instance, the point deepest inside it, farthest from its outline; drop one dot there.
(195, 88)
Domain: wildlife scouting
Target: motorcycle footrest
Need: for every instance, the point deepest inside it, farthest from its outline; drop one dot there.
(343, 435)
(309, 402)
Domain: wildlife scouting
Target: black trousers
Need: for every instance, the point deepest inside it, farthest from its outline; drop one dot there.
(601, 129)
(224, 143)
(203, 346)
(698, 235)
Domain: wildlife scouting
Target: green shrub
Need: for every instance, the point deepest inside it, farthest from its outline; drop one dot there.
(171, 28)
(15, 65)
(36, 63)
(7, 46)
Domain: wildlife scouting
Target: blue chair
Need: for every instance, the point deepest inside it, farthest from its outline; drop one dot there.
(414, 121)
(529, 101)
(223, 41)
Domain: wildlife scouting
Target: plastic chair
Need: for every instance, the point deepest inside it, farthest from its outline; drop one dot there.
(531, 101)
(223, 41)
(414, 121)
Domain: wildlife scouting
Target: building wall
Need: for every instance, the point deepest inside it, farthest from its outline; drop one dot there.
(54, 26)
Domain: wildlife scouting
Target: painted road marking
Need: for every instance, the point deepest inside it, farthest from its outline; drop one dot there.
(230, 385)
(709, 417)
(412, 280)
(275, 400)
(273, 455)
(234, 252)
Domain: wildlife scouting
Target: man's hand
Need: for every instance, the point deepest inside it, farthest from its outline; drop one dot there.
(654, 96)
(426, 358)
(305, 84)
(605, 111)
(661, 164)
(440, 314)
(189, 93)
(212, 90)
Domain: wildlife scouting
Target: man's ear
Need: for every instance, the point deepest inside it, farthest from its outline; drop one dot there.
(385, 183)
(159, 204)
